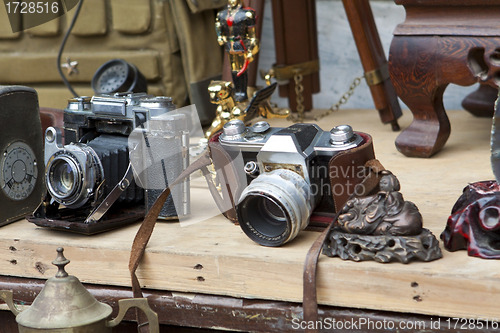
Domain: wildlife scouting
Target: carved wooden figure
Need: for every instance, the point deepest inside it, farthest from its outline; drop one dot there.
(385, 213)
(382, 227)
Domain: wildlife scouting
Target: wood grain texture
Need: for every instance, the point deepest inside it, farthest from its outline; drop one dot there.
(205, 311)
(448, 2)
(435, 46)
(448, 20)
(413, 69)
(233, 265)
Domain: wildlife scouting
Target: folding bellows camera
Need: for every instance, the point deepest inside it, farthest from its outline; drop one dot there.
(90, 179)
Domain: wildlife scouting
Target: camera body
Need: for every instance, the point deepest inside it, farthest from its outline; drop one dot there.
(290, 172)
(117, 114)
(21, 142)
(95, 158)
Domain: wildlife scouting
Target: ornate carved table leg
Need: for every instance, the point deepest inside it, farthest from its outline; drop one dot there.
(414, 74)
(421, 68)
(441, 42)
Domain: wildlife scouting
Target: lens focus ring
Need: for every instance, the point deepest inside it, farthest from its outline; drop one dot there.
(275, 207)
(63, 177)
(70, 178)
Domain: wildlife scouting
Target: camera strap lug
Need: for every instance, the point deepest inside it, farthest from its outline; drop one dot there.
(112, 196)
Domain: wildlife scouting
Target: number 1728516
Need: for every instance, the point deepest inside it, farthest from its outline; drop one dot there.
(40, 7)
(472, 324)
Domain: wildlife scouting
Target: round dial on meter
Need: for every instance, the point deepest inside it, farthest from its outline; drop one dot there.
(19, 170)
(112, 78)
(118, 75)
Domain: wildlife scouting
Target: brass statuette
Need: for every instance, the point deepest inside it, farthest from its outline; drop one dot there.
(222, 94)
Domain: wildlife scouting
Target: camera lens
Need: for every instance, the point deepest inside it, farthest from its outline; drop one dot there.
(267, 217)
(73, 173)
(275, 207)
(62, 177)
(273, 210)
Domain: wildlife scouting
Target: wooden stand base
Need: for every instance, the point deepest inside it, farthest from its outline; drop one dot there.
(441, 42)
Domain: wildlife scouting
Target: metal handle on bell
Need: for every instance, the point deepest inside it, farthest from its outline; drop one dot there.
(141, 303)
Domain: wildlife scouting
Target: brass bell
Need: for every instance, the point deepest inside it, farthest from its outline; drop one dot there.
(64, 305)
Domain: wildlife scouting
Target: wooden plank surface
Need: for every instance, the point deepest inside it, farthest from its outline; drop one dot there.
(456, 286)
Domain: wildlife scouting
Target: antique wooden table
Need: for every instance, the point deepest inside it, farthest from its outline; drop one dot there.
(441, 42)
(210, 275)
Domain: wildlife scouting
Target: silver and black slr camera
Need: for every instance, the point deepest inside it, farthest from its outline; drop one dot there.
(92, 172)
(290, 173)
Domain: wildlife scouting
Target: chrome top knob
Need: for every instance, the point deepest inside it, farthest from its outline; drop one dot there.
(234, 127)
(341, 134)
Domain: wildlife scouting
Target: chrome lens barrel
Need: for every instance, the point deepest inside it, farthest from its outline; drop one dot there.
(73, 174)
(275, 207)
(63, 177)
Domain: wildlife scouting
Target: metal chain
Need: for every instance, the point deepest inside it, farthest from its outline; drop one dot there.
(299, 89)
(343, 100)
(299, 92)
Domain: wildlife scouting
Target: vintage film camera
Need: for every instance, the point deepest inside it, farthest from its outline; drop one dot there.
(92, 173)
(291, 173)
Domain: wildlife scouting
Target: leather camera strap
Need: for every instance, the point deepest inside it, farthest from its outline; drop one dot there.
(310, 301)
(146, 229)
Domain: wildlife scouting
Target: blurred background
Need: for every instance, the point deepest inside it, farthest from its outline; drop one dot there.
(339, 58)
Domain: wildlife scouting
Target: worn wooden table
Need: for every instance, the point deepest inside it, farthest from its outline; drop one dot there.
(210, 275)
(441, 42)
